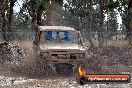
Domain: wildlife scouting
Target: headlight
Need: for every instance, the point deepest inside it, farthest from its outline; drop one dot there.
(45, 55)
(81, 55)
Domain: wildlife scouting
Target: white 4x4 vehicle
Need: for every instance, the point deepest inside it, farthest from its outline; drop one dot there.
(60, 46)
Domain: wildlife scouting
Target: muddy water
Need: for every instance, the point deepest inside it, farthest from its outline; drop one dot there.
(8, 80)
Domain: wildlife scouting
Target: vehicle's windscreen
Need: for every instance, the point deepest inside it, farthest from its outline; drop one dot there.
(60, 36)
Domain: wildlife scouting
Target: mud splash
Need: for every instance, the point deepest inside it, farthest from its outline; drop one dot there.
(110, 59)
(24, 72)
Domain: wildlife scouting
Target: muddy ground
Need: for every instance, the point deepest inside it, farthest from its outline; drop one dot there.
(12, 80)
(18, 69)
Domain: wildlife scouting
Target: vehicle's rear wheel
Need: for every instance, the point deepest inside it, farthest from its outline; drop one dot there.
(65, 69)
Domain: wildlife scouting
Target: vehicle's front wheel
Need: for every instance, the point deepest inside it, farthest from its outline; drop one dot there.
(65, 69)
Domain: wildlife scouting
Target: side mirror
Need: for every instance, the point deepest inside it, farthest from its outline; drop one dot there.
(83, 40)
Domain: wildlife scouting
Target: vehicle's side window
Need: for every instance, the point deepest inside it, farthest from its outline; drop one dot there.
(70, 36)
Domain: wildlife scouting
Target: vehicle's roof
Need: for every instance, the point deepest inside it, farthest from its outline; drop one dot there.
(63, 28)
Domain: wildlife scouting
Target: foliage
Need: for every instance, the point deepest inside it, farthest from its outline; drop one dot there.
(84, 15)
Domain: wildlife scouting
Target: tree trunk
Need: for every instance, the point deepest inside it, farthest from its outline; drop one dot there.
(33, 14)
(101, 24)
(4, 22)
(10, 14)
(88, 27)
(91, 18)
(51, 13)
(129, 30)
(50, 18)
(1, 13)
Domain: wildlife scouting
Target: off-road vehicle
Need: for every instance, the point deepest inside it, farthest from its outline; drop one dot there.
(60, 46)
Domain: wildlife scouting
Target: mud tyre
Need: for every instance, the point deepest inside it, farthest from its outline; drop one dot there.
(65, 69)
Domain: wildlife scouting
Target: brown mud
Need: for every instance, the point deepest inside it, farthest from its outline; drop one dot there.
(21, 70)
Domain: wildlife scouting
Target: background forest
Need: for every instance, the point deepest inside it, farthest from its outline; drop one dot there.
(96, 19)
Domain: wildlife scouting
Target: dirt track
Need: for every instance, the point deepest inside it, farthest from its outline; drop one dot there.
(21, 77)
(10, 80)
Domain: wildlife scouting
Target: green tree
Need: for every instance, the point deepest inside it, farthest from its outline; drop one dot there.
(6, 13)
(42, 12)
